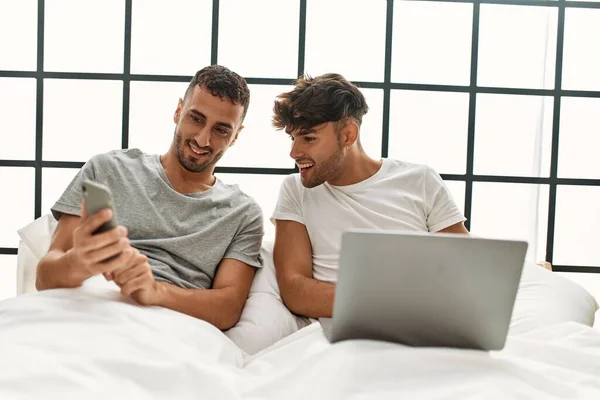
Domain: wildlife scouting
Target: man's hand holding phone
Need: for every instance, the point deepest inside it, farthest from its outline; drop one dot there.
(102, 247)
(99, 253)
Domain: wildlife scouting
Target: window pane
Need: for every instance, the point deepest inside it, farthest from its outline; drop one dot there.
(84, 36)
(258, 52)
(8, 276)
(430, 128)
(173, 39)
(432, 42)
(17, 118)
(346, 37)
(576, 226)
(372, 124)
(263, 188)
(18, 207)
(151, 109)
(517, 46)
(581, 59)
(457, 190)
(54, 183)
(512, 211)
(18, 35)
(579, 140)
(75, 130)
(513, 135)
(259, 144)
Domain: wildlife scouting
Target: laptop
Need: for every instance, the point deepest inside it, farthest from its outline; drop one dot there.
(422, 289)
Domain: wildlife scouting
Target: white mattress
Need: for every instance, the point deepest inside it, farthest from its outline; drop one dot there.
(92, 343)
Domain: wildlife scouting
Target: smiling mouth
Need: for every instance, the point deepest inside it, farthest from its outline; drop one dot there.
(305, 167)
(196, 150)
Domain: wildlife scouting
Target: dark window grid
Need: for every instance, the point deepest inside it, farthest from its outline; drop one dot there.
(553, 181)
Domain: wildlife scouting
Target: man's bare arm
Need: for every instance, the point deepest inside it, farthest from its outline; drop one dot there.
(221, 306)
(75, 255)
(456, 228)
(292, 255)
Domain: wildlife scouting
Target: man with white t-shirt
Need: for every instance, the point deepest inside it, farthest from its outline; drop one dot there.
(340, 187)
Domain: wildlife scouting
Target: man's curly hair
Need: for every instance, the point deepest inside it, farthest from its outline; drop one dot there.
(314, 101)
(222, 82)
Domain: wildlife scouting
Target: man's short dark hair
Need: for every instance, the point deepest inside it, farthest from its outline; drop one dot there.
(222, 82)
(314, 101)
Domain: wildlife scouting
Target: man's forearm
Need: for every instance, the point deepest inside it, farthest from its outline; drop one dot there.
(309, 297)
(54, 271)
(216, 306)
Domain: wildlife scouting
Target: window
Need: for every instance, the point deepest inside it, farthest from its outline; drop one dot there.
(512, 211)
(483, 92)
(84, 36)
(517, 46)
(17, 118)
(170, 38)
(18, 21)
(579, 138)
(81, 118)
(337, 31)
(250, 46)
(581, 60)
(513, 135)
(432, 42)
(8, 276)
(440, 142)
(577, 216)
(18, 206)
(152, 106)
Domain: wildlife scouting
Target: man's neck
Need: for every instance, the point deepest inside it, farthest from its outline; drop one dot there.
(357, 167)
(184, 181)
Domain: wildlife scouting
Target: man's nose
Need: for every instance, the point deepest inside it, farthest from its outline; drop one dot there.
(202, 137)
(295, 152)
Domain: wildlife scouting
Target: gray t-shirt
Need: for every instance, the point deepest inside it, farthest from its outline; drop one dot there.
(185, 237)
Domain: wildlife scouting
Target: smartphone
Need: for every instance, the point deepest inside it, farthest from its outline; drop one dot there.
(98, 197)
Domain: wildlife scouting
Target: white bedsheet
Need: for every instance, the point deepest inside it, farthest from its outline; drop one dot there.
(92, 343)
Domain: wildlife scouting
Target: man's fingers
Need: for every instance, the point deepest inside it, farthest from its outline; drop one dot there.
(135, 284)
(130, 274)
(133, 261)
(104, 239)
(112, 249)
(112, 265)
(95, 221)
(84, 214)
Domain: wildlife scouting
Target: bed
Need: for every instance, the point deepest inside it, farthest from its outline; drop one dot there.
(91, 342)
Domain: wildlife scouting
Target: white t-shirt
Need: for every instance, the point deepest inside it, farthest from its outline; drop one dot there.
(400, 196)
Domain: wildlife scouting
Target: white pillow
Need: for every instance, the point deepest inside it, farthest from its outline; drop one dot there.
(545, 298)
(264, 320)
(35, 241)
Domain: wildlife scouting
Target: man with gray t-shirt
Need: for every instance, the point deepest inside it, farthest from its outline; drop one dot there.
(186, 240)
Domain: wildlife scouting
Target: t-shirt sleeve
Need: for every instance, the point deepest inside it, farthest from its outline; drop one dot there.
(441, 208)
(288, 203)
(70, 201)
(246, 244)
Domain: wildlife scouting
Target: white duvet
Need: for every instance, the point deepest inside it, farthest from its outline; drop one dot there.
(92, 343)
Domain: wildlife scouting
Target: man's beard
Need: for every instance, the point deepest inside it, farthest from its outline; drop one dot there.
(189, 163)
(324, 171)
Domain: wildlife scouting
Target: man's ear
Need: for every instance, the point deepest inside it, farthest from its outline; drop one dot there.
(349, 133)
(237, 134)
(177, 113)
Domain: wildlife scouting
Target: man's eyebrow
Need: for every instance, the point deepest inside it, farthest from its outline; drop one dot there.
(199, 114)
(304, 132)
